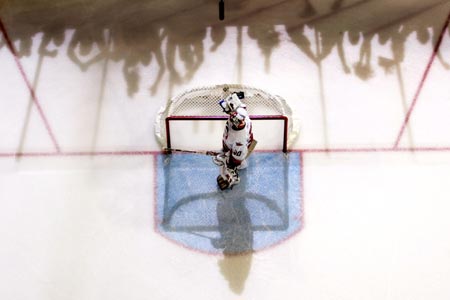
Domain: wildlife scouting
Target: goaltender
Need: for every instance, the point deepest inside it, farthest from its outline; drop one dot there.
(237, 141)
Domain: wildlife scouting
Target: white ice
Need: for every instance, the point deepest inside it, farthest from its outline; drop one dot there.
(79, 224)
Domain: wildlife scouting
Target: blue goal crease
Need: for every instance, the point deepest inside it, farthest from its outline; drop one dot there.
(262, 210)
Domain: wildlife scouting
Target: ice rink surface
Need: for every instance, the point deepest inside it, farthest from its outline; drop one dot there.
(81, 83)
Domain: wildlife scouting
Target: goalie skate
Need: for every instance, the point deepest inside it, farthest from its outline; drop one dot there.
(227, 179)
(223, 183)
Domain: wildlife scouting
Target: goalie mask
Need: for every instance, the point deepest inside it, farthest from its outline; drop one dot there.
(232, 102)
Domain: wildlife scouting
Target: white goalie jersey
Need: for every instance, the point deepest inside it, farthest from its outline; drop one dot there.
(236, 139)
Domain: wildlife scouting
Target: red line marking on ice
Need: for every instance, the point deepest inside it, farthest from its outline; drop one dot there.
(422, 81)
(302, 191)
(373, 150)
(80, 153)
(30, 88)
(110, 153)
(149, 152)
(156, 219)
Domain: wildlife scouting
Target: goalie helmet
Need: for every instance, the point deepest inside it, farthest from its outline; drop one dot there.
(232, 102)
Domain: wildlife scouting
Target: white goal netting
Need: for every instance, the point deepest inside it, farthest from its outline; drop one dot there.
(197, 107)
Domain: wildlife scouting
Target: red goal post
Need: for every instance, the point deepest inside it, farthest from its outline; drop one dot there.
(195, 121)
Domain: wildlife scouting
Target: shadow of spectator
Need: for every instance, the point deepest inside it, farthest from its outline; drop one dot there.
(218, 34)
(87, 46)
(363, 68)
(146, 36)
(267, 38)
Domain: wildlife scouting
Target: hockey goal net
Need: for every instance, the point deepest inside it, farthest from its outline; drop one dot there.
(195, 121)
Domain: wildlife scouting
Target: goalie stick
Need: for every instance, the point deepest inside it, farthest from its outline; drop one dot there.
(209, 153)
(204, 152)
